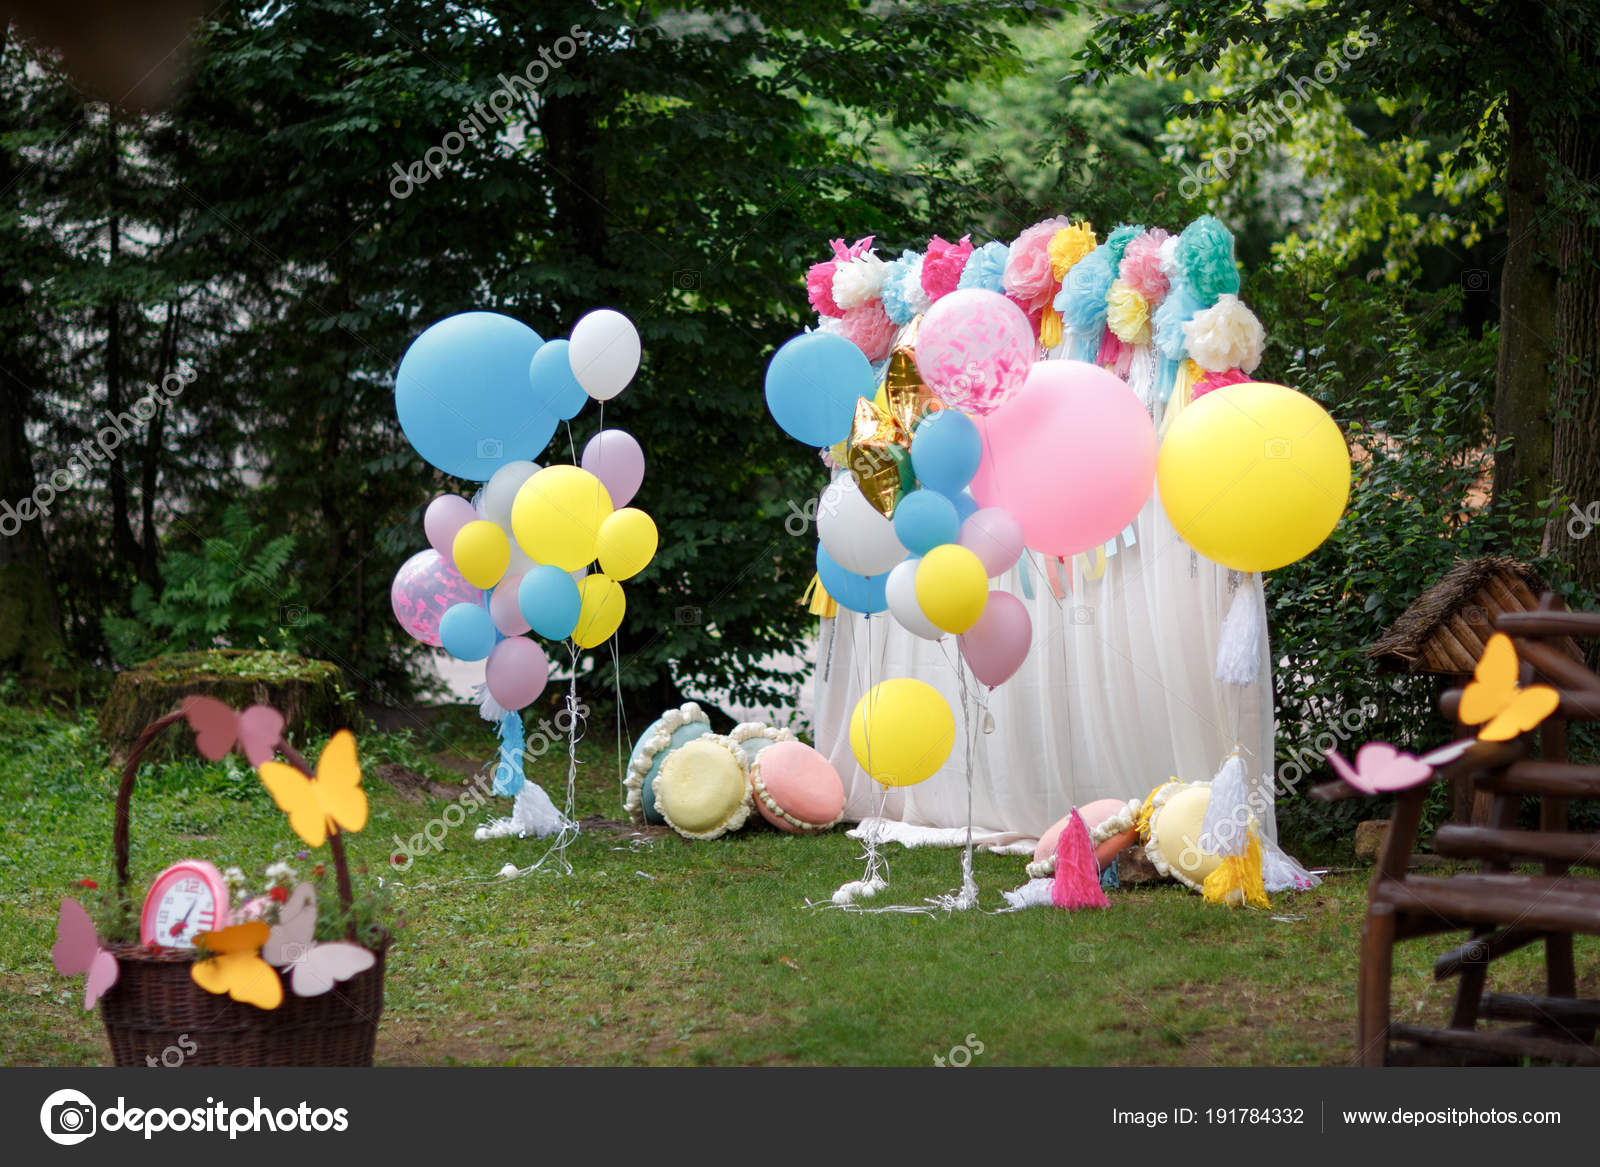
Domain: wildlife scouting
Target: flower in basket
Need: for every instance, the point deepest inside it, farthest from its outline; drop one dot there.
(235, 967)
(324, 805)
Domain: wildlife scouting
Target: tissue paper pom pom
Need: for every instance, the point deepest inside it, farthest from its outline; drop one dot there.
(819, 288)
(1068, 246)
(1226, 335)
(1205, 257)
(843, 254)
(1166, 323)
(1082, 299)
(860, 280)
(1216, 381)
(1141, 266)
(902, 293)
(1117, 242)
(942, 265)
(1028, 277)
(986, 268)
(869, 328)
(1127, 314)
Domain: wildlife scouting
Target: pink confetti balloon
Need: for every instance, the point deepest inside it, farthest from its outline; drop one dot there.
(974, 348)
(994, 537)
(516, 672)
(995, 647)
(504, 609)
(446, 515)
(425, 587)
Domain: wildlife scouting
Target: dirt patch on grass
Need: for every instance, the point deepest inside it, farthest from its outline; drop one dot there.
(411, 786)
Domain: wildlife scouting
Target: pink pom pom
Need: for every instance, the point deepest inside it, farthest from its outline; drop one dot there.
(1141, 266)
(1029, 278)
(1216, 381)
(819, 288)
(941, 266)
(869, 328)
(1077, 882)
(843, 254)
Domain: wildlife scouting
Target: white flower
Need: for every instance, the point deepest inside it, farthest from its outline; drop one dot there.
(1225, 336)
(233, 877)
(859, 281)
(281, 872)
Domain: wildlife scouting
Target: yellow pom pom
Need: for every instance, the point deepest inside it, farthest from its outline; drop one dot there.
(1068, 246)
(1127, 314)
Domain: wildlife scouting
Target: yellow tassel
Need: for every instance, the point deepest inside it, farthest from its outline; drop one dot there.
(817, 600)
(1238, 879)
(1182, 387)
(1149, 808)
(1050, 328)
(1093, 570)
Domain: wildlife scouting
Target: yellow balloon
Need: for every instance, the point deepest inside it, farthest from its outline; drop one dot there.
(902, 731)
(556, 516)
(627, 543)
(1254, 476)
(600, 608)
(481, 552)
(952, 587)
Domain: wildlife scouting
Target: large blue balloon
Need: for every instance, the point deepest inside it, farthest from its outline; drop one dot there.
(550, 600)
(554, 387)
(859, 593)
(945, 451)
(966, 505)
(812, 386)
(462, 395)
(467, 631)
(924, 519)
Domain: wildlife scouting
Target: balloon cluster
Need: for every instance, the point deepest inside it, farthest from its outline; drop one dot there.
(479, 395)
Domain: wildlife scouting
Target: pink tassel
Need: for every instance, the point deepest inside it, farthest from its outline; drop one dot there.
(1110, 349)
(1077, 882)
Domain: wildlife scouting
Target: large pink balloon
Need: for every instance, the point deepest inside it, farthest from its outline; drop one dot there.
(516, 672)
(1072, 457)
(446, 515)
(614, 457)
(995, 647)
(974, 348)
(994, 537)
(424, 588)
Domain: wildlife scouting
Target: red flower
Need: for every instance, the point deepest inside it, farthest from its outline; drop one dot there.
(279, 895)
(319, 870)
(87, 883)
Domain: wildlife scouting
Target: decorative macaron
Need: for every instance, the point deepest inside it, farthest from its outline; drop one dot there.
(1177, 811)
(754, 736)
(796, 788)
(673, 729)
(1113, 826)
(703, 788)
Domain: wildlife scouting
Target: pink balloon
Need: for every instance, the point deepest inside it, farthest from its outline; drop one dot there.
(974, 349)
(1072, 457)
(516, 672)
(615, 459)
(504, 609)
(424, 588)
(994, 537)
(995, 647)
(446, 515)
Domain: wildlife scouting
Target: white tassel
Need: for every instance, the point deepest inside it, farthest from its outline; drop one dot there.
(1282, 872)
(1225, 828)
(1239, 642)
(488, 708)
(859, 889)
(1033, 894)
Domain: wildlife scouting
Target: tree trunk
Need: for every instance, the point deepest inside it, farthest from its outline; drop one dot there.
(127, 549)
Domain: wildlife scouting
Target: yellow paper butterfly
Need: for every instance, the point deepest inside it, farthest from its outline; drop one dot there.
(1494, 700)
(236, 968)
(332, 801)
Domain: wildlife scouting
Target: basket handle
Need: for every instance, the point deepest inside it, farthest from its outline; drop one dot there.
(130, 771)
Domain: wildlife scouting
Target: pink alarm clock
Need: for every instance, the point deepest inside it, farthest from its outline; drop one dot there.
(185, 900)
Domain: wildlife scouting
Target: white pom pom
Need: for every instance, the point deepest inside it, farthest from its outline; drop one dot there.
(1225, 336)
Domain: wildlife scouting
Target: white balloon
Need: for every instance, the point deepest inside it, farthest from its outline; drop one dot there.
(521, 562)
(604, 353)
(853, 532)
(501, 491)
(901, 588)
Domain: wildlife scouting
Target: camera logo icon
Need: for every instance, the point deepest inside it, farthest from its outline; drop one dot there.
(1278, 448)
(491, 448)
(687, 617)
(68, 1117)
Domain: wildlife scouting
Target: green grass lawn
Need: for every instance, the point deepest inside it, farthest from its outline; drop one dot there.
(657, 950)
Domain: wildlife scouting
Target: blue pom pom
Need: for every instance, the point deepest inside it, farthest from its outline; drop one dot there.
(1166, 324)
(1117, 242)
(986, 268)
(1082, 298)
(1205, 259)
(899, 296)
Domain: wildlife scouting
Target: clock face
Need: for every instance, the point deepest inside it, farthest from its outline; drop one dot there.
(185, 900)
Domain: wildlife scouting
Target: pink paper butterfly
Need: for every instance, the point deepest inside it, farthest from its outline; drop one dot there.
(313, 967)
(217, 728)
(1382, 769)
(77, 950)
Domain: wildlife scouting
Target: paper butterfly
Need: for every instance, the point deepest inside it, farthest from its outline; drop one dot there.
(217, 729)
(333, 800)
(1494, 700)
(77, 950)
(236, 968)
(1381, 769)
(314, 968)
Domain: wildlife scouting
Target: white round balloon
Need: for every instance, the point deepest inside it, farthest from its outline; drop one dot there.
(521, 562)
(604, 353)
(901, 589)
(501, 491)
(853, 532)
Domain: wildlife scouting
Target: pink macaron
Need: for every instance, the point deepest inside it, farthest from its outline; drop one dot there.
(796, 789)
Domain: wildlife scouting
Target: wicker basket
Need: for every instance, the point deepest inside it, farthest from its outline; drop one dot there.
(156, 1012)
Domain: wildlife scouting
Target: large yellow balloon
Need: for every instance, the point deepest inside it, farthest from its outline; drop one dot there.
(601, 605)
(481, 552)
(952, 587)
(1254, 476)
(556, 516)
(902, 731)
(626, 542)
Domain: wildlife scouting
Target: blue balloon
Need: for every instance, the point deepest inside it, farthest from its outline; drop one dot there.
(812, 385)
(549, 600)
(462, 395)
(467, 631)
(555, 389)
(945, 451)
(924, 519)
(859, 593)
(965, 505)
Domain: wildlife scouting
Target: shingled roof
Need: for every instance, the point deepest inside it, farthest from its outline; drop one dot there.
(1446, 628)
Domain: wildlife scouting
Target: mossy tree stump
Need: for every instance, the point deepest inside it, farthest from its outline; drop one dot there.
(309, 693)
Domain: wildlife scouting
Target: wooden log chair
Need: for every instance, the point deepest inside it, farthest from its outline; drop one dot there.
(1500, 908)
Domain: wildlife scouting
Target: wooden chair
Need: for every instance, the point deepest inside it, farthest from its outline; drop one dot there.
(1502, 910)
